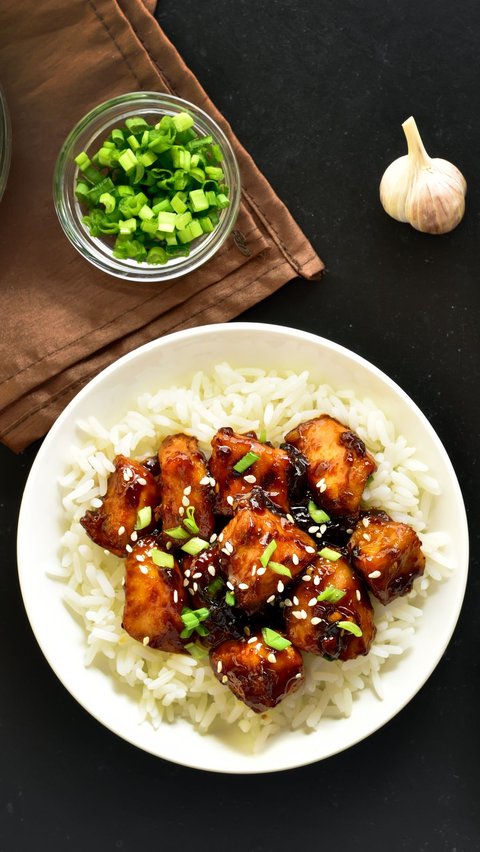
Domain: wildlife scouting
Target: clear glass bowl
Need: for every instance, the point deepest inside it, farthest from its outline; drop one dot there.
(5, 142)
(87, 136)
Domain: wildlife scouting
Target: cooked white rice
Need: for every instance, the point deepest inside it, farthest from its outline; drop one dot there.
(171, 685)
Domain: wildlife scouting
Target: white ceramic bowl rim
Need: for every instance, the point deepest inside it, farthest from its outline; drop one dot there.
(207, 754)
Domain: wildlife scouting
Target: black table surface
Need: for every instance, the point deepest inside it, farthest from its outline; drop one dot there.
(317, 92)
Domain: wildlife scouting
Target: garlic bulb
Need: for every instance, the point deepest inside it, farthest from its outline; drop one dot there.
(427, 193)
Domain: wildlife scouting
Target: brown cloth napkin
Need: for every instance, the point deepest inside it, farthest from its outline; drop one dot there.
(62, 320)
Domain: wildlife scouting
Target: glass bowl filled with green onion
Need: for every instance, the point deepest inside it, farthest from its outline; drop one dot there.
(147, 187)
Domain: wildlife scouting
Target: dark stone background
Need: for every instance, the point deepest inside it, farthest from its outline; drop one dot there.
(317, 92)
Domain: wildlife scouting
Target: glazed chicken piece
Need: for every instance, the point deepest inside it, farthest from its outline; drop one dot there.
(154, 598)
(271, 471)
(255, 673)
(130, 487)
(254, 531)
(185, 485)
(316, 626)
(338, 463)
(386, 554)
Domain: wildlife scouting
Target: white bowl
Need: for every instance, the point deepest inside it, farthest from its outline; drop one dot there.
(171, 359)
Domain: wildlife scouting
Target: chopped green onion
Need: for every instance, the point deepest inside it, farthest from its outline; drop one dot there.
(189, 523)
(230, 599)
(161, 559)
(198, 652)
(330, 554)
(195, 546)
(263, 436)
(245, 462)
(277, 568)
(192, 619)
(350, 627)
(274, 640)
(331, 595)
(177, 532)
(215, 587)
(198, 200)
(177, 171)
(268, 552)
(144, 518)
(317, 515)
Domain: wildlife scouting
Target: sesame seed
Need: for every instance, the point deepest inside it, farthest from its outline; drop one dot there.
(303, 614)
(247, 630)
(250, 478)
(295, 559)
(375, 574)
(365, 522)
(323, 488)
(289, 517)
(261, 571)
(144, 569)
(197, 575)
(123, 581)
(187, 572)
(185, 501)
(320, 483)
(323, 528)
(254, 570)
(349, 531)
(230, 586)
(298, 675)
(358, 595)
(211, 570)
(212, 482)
(128, 548)
(219, 666)
(146, 640)
(271, 599)
(309, 549)
(191, 591)
(306, 578)
(140, 557)
(220, 538)
(181, 511)
(213, 538)
(280, 586)
(315, 620)
(175, 596)
(243, 586)
(312, 602)
(316, 580)
(297, 614)
(121, 530)
(141, 480)
(187, 490)
(224, 679)
(195, 587)
(295, 600)
(185, 582)
(225, 551)
(366, 536)
(168, 545)
(258, 646)
(134, 536)
(204, 480)
(230, 500)
(313, 529)
(288, 602)
(272, 658)
(229, 546)
(106, 552)
(252, 640)
(127, 474)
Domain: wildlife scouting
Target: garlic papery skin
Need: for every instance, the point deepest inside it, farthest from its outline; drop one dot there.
(428, 193)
